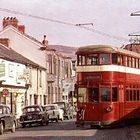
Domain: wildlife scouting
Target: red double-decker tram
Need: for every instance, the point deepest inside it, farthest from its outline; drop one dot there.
(107, 86)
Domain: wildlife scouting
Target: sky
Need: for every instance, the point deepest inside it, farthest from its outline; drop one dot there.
(111, 20)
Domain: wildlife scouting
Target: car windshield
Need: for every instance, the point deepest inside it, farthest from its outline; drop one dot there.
(50, 107)
(31, 109)
(61, 105)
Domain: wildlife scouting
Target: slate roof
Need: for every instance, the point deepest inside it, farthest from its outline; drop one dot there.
(11, 55)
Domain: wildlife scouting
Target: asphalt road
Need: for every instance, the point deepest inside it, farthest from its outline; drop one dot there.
(67, 130)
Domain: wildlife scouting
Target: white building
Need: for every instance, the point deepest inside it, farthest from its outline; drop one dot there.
(13, 35)
(14, 79)
(47, 82)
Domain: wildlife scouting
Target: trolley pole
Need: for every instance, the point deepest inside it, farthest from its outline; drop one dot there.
(135, 14)
(83, 24)
(136, 37)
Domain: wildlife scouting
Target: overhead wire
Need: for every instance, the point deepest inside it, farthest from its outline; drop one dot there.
(37, 17)
(104, 34)
(65, 23)
(137, 13)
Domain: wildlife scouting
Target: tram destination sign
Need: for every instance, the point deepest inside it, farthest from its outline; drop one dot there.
(93, 77)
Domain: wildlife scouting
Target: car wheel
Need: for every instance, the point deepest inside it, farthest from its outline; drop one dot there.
(57, 119)
(47, 122)
(23, 125)
(71, 117)
(68, 117)
(13, 127)
(61, 119)
(1, 128)
(43, 122)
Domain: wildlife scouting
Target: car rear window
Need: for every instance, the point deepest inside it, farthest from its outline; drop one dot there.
(50, 107)
(31, 109)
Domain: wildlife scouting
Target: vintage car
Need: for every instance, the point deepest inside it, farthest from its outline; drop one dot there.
(54, 112)
(34, 114)
(68, 114)
(7, 120)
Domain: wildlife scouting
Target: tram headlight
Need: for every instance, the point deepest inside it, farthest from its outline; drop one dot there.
(109, 109)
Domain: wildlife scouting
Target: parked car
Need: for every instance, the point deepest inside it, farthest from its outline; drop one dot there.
(54, 112)
(7, 119)
(34, 114)
(66, 107)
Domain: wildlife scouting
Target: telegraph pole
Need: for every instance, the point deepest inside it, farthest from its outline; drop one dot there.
(135, 38)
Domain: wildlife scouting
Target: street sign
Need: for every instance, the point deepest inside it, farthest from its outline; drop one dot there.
(5, 91)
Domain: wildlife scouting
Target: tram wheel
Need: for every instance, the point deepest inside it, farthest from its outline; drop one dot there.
(96, 126)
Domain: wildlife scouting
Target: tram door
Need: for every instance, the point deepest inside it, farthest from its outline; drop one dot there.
(92, 111)
(109, 103)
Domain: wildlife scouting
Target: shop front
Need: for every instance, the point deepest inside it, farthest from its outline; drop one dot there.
(14, 98)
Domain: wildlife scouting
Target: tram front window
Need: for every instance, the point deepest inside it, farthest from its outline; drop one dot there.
(82, 94)
(105, 94)
(92, 59)
(93, 94)
(104, 58)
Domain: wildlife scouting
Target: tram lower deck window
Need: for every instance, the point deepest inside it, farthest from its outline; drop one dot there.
(114, 94)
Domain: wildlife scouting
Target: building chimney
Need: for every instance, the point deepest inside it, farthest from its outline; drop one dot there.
(14, 22)
(10, 21)
(45, 41)
(21, 28)
(5, 41)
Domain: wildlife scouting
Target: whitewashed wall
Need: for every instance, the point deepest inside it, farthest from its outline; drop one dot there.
(25, 46)
(31, 50)
(12, 73)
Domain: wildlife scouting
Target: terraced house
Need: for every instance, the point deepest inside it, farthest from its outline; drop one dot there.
(46, 82)
(15, 81)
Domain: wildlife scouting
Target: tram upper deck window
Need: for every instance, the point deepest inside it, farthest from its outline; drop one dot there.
(114, 58)
(92, 59)
(105, 94)
(104, 58)
(81, 60)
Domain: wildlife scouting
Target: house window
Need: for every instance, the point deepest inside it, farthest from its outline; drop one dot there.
(11, 70)
(40, 78)
(50, 63)
(55, 65)
(2, 70)
(45, 100)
